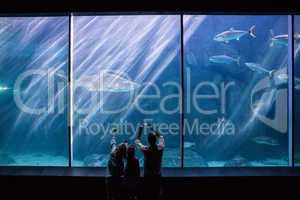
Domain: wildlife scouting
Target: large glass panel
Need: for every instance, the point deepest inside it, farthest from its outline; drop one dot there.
(297, 90)
(236, 90)
(126, 69)
(33, 66)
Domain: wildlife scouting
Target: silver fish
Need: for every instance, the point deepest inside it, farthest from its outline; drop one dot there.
(282, 39)
(107, 82)
(188, 145)
(256, 67)
(233, 34)
(283, 77)
(297, 87)
(266, 140)
(223, 59)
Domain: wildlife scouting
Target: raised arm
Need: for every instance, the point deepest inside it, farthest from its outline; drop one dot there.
(138, 138)
(161, 140)
(113, 142)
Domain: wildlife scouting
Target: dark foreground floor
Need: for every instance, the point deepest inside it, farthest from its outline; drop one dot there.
(186, 188)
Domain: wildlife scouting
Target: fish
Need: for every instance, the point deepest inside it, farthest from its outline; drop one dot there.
(297, 87)
(283, 77)
(233, 34)
(256, 67)
(280, 77)
(188, 145)
(4, 88)
(266, 140)
(283, 39)
(106, 82)
(224, 59)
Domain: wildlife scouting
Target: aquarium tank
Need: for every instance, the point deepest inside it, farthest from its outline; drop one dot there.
(214, 86)
(125, 71)
(33, 91)
(236, 90)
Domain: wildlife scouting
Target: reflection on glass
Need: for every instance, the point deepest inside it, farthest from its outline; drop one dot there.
(33, 66)
(125, 70)
(236, 91)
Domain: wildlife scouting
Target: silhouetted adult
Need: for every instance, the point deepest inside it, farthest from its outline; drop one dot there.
(153, 154)
(132, 175)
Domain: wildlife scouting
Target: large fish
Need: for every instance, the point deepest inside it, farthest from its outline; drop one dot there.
(283, 39)
(265, 140)
(233, 34)
(188, 145)
(223, 59)
(256, 67)
(283, 77)
(106, 82)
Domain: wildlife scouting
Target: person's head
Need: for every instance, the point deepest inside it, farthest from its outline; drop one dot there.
(152, 139)
(121, 150)
(131, 151)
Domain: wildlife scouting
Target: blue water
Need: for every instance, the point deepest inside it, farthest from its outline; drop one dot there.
(28, 44)
(138, 58)
(241, 146)
(143, 49)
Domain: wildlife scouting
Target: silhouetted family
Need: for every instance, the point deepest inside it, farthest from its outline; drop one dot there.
(123, 180)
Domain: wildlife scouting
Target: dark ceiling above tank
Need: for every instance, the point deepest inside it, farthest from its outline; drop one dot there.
(214, 6)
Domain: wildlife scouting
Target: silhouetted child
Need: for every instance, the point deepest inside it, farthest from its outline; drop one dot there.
(132, 174)
(115, 169)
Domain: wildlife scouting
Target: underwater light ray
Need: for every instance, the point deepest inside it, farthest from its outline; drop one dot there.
(31, 43)
(33, 91)
(3, 29)
(33, 99)
(84, 24)
(54, 56)
(158, 72)
(37, 80)
(167, 61)
(92, 29)
(37, 27)
(155, 55)
(95, 109)
(52, 60)
(267, 61)
(50, 47)
(269, 98)
(45, 116)
(191, 26)
(22, 115)
(134, 53)
(123, 52)
(82, 105)
(100, 44)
